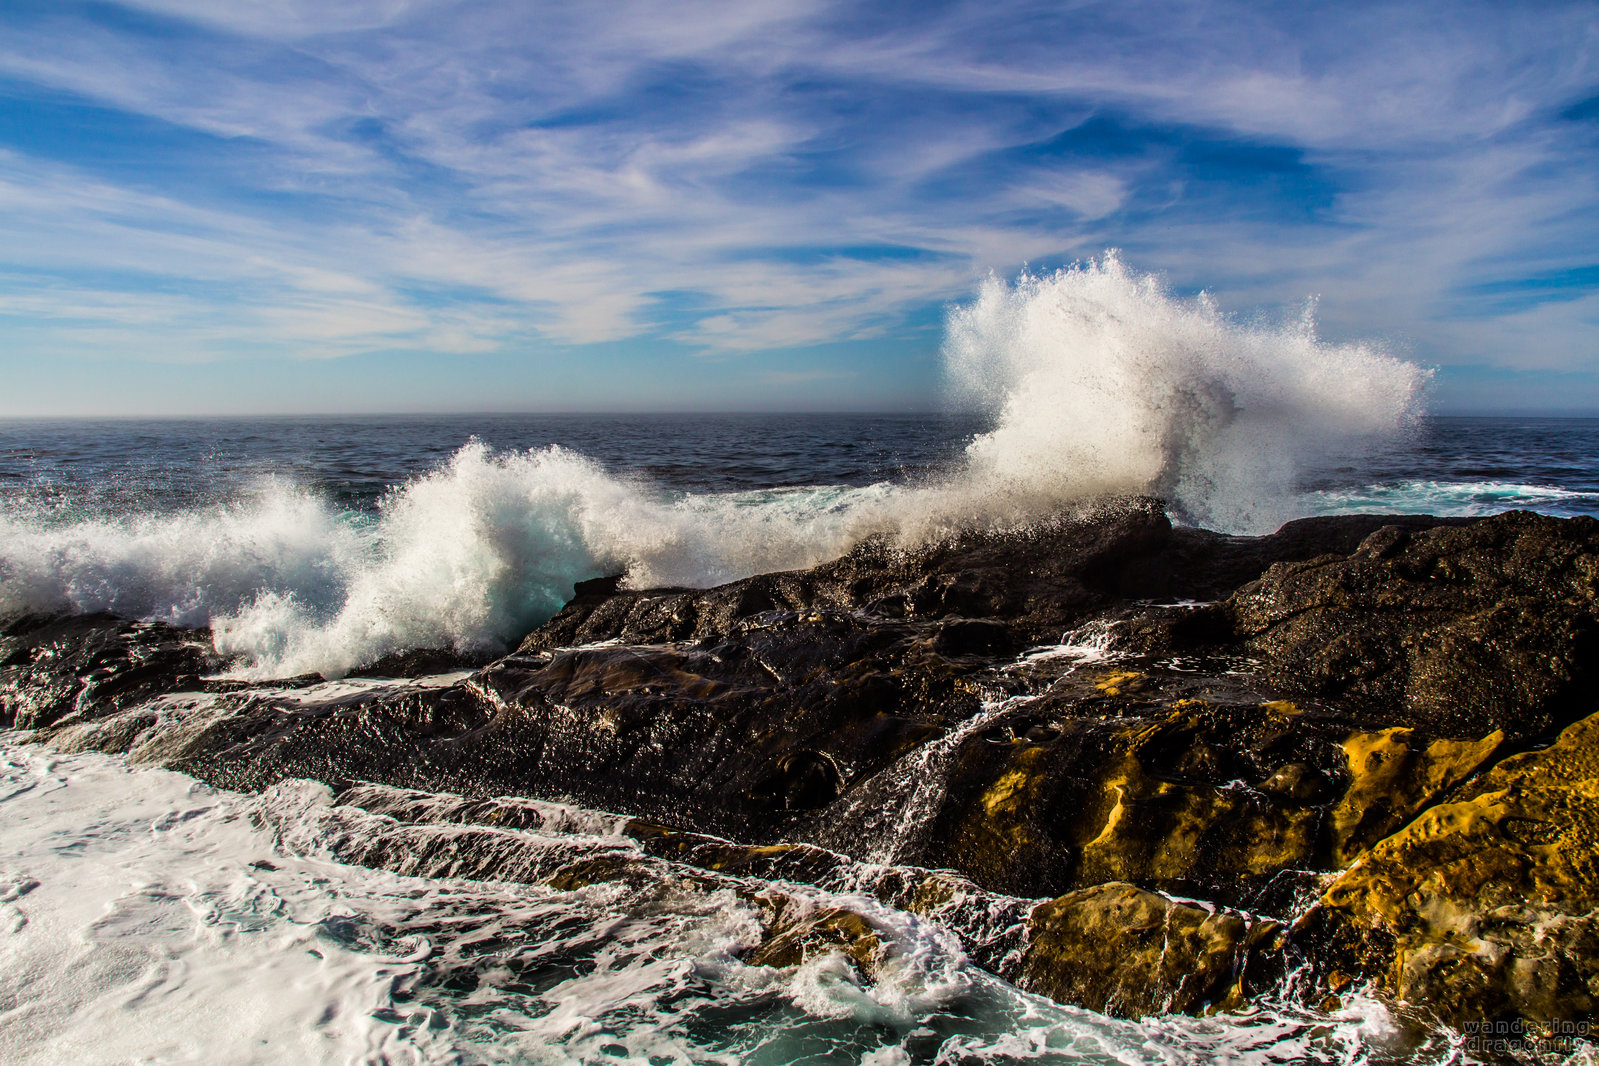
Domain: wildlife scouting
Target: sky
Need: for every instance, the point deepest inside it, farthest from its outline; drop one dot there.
(236, 206)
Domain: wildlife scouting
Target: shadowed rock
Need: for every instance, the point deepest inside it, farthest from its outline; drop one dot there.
(1462, 629)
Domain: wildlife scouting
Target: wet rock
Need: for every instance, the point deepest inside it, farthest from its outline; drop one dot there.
(1463, 629)
(799, 933)
(968, 637)
(1170, 956)
(1026, 585)
(426, 835)
(1484, 907)
(1178, 782)
(803, 863)
(713, 737)
(60, 669)
(1163, 956)
(802, 780)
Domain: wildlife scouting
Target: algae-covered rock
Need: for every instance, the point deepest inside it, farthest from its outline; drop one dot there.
(1484, 906)
(1393, 774)
(1181, 783)
(798, 933)
(1122, 950)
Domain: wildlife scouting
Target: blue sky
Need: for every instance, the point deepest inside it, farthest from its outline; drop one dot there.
(217, 206)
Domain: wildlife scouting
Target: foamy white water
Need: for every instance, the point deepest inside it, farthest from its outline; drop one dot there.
(1098, 382)
(469, 557)
(1103, 383)
(145, 918)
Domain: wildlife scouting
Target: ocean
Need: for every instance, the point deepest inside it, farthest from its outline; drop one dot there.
(321, 544)
(148, 918)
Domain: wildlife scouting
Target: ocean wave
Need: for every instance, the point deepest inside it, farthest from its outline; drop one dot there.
(1101, 381)
(1098, 381)
(1452, 498)
(469, 557)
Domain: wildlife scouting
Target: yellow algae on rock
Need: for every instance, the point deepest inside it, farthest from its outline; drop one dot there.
(797, 933)
(1393, 774)
(1484, 905)
(1009, 793)
(1120, 682)
(1164, 955)
(1163, 832)
(1188, 796)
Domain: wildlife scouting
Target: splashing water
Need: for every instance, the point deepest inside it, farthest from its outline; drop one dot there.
(1098, 382)
(1103, 383)
(470, 556)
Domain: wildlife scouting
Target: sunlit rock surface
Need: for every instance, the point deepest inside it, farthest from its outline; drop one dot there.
(1484, 905)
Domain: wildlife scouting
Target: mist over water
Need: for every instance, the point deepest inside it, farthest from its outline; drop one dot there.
(1094, 381)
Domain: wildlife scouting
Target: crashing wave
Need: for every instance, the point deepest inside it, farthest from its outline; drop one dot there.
(1098, 381)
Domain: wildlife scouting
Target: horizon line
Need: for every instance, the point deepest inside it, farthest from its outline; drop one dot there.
(1579, 414)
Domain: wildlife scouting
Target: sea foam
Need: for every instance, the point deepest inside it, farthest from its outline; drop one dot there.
(1097, 379)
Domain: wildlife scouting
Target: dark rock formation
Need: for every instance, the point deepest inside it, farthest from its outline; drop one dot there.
(1462, 630)
(55, 670)
(1078, 722)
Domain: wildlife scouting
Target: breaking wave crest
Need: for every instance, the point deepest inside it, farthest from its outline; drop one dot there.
(469, 557)
(1099, 382)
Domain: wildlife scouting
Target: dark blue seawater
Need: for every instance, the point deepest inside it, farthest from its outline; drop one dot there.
(162, 464)
(1445, 465)
(1465, 465)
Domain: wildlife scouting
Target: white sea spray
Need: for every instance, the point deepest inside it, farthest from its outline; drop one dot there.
(1102, 382)
(1098, 382)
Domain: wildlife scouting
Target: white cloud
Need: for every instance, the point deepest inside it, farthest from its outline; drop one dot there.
(551, 168)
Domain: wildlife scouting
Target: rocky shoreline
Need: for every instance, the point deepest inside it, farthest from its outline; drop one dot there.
(1135, 767)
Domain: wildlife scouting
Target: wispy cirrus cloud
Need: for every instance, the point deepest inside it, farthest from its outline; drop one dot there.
(294, 179)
